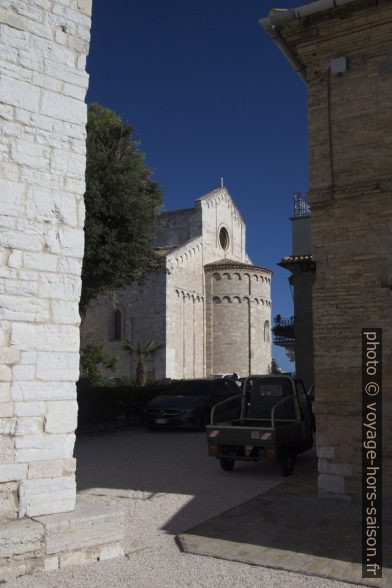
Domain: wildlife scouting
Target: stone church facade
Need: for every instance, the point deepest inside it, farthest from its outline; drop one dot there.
(209, 307)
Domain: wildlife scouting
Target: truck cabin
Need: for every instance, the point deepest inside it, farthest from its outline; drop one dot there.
(269, 402)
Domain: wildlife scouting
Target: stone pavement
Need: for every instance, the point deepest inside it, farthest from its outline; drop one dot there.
(289, 528)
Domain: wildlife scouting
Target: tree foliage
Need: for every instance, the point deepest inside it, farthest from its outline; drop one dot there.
(92, 358)
(142, 352)
(122, 206)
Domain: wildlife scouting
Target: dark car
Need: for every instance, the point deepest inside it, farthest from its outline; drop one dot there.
(188, 403)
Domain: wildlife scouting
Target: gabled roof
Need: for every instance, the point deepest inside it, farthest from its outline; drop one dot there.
(217, 192)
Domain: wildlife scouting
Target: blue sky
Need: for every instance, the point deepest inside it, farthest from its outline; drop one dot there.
(210, 96)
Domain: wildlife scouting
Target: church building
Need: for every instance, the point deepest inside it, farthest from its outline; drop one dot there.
(209, 307)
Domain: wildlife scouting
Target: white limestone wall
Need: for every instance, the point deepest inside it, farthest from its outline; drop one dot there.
(43, 47)
(185, 300)
(219, 211)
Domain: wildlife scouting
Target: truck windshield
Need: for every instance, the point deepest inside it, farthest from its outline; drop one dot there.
(191, 388)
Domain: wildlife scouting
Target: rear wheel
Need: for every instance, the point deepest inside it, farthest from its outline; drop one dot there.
(227, 464)
(287, 463)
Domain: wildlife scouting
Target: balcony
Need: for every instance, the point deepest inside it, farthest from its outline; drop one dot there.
(283, 331)
(301, 205)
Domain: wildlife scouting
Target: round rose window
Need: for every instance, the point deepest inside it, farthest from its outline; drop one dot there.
(224, 238)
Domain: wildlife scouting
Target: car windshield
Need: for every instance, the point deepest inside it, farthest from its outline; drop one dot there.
(191, 388)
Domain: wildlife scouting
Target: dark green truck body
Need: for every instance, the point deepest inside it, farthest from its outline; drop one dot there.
(275, 422)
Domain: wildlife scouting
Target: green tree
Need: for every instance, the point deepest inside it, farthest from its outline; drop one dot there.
(290, 355)
(273, 369)
(92, 356)
(122, 206)
(142, 353)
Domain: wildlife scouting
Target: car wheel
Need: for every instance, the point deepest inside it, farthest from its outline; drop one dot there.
(227, 464)
(287, 463)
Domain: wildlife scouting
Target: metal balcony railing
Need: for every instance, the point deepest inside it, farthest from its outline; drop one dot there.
(283, 330)
(301, 205)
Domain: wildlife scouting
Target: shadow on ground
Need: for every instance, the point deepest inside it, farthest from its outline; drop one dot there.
(144, 466)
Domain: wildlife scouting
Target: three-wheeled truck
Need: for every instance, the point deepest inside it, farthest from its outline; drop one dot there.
(275, 421)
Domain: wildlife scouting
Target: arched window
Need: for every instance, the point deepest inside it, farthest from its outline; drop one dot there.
(267, 332)
(116, 326)
(224, 238)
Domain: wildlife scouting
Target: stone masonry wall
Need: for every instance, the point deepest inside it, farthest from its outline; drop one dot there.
(238, 314)
(350, 117)
(43, 48)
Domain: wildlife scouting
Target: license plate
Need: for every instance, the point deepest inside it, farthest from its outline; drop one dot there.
(161, 421)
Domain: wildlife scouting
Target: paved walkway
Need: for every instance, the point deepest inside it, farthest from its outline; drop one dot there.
(290, 528)
(166, 483)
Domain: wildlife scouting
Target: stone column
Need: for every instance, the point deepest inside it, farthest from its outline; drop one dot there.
(43, 82)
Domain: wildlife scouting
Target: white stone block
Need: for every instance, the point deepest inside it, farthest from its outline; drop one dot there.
(30, 154)
(64, 287)
(6, 112)
(47, 496)
(30, 408)
(9, 356)
(28, 358)
(23, 373)
(12, 198)
(63, 107)
(5, 392)
(61, 417)
(6, 409)
(65, 312)
(45, 337)
(18, 240)
(41, 261)
(7, 426)
(41, 448)
(21, 537)
(27, 275)
(57, 366)
(68, 265)
(6, 450)
(13, 472)
(18, 308)
(70, 164)
(21, 288)
(45, 204)
(30, 391)
(111, 551)
(48, 469)
(5, 373)
(15, 259)
(74, 91)
(13, 37)
(29, 426)
(67, 74)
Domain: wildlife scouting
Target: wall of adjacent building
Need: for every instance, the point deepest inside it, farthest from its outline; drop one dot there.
(43, 48)
(350, 115)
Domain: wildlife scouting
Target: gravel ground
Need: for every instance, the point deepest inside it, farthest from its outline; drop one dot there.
(166, 484)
